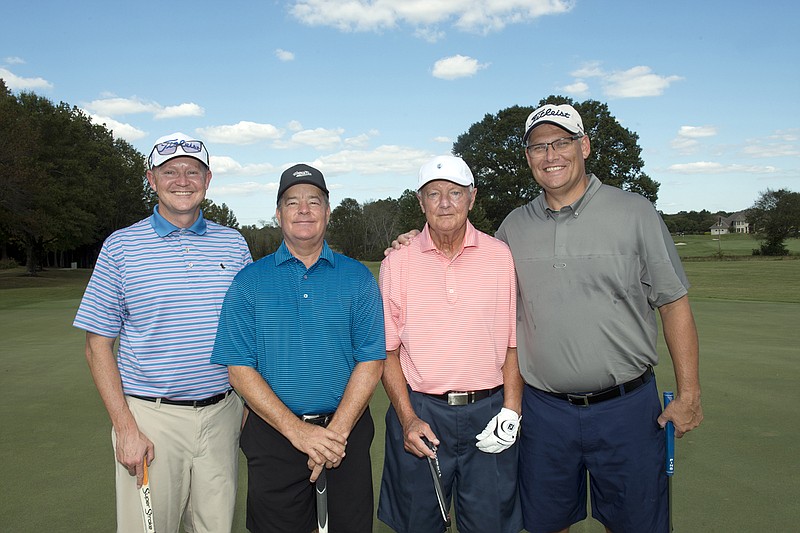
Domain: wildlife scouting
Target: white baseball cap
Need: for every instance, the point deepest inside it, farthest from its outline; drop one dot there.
(445, 167)
(563, 116)
(177, 145)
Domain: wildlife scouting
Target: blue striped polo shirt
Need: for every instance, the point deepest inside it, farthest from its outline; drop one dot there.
(303, 329)
(160, 289)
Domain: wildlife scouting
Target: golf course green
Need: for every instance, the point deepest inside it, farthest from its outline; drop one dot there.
(738, 472)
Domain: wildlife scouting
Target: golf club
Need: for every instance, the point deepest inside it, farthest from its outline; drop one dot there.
(147, 507)
(322, 502)
(670, 465)
(436, 474)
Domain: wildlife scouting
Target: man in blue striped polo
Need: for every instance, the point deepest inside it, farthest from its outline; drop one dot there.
(158, 286)
(301, 331)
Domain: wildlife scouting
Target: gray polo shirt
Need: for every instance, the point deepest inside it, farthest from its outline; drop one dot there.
(590, 277)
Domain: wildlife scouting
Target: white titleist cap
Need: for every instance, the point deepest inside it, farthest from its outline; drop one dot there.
(563, 116)
(177, 145)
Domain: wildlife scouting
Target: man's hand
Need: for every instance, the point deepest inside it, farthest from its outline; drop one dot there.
(402, 240)
(132, 448)
(413, 431)
(322, 445)
(684, 414)
(500, 433)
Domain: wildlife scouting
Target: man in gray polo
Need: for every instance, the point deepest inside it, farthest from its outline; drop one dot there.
(593, 265)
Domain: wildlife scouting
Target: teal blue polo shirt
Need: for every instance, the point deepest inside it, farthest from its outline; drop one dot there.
(303, 329)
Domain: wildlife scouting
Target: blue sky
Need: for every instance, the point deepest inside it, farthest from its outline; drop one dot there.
(368, 90)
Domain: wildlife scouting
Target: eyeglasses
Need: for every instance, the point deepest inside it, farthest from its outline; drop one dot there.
(170, 147)
(560, 146)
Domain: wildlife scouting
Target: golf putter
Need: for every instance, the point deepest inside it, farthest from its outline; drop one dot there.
(147, 506)
(322, 502)
(670, 465)
(436, 474)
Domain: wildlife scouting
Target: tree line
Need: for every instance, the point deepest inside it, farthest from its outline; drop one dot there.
(67, 183)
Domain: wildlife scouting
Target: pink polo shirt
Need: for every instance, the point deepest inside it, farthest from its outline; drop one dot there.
(452, 319)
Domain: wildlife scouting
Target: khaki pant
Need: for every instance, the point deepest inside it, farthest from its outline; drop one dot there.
(194, 474)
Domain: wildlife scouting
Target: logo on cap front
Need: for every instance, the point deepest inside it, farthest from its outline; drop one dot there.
(301, 174)
(549, 113)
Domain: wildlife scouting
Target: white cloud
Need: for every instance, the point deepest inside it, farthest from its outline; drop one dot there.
(244, 132)
(478, 16)
(579, 88)
(359, 141)
(120, 129)
(771, 150)
(227, 166)
(687, 139)
(13, 60)
(694, 132)
(385, 159)
(246, 189)
(782, 143)
(442, 139)
(590, 69)
(284, 55)
(17, 83)
(458, 66)
(295, 125)
(115, 106)
(319, 138)
(181, 110)
(710, 167)
(430, 34)
(637, 82)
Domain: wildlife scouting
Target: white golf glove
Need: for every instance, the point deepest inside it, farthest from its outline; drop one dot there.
(500, 433)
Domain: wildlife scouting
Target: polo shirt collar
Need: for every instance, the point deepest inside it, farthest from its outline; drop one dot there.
(282, 254)
(578, 205)
(426, 242)
(163, 227)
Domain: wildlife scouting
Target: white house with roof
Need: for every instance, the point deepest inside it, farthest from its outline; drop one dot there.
(736, 223)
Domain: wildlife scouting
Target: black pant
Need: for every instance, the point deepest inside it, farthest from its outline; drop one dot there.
(280, 499)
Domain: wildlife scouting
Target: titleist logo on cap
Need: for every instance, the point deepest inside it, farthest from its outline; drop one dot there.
(550, 113)
(301, 174)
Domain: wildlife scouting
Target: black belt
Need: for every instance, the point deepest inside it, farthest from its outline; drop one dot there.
(186, 403)
(610, 393)
(318, 420)
(464, 397)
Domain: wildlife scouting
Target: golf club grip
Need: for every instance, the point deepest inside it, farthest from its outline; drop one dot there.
(147, 506)
(670, 433)
(436, 474)
(322, 501)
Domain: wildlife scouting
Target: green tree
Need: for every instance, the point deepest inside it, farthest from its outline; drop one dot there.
(494, 151)
(346, 230)
(380, 227)
(221, 214)
(409, 213)
(775, 216)
(65, 182)
(262, 241)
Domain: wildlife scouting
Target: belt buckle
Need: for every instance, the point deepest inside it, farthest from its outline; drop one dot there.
(317, 420)
(581, 400)
(457, 398)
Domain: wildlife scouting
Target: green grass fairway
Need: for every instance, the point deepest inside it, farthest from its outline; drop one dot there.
(727, 246)
(738, 472)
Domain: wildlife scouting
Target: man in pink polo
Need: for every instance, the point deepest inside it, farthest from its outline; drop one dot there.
(451, 372)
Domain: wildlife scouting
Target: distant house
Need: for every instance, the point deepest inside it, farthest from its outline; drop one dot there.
(736, 223)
